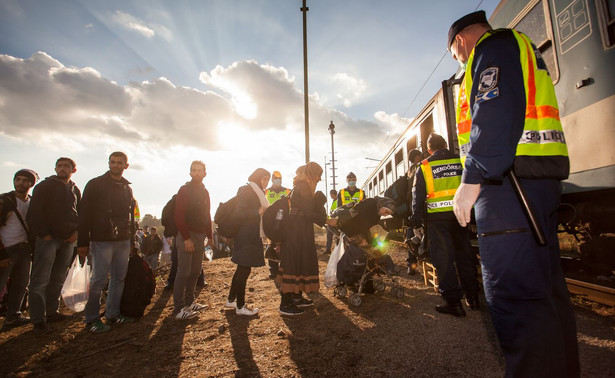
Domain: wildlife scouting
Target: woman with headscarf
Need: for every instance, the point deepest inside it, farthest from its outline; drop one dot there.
(299, 264)
(248, 251)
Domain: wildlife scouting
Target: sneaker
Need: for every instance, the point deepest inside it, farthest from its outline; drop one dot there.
(41, 328)
(290, 309)
(246, 311)
(232, 305)
(97, 327)
(57, 317)
(196, 307)
(121, 319)
(303, 302)
(19, 321)
(186, 314)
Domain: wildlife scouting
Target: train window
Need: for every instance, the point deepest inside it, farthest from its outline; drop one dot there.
(389, 170)
(381, 182)
(534, 25)
(411, 145)
(606, 15)
(374, 186)
(426, 130)
(399, 163)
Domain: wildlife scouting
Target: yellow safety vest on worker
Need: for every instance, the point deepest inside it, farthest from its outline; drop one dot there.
(542, 132)
(442, 178)
(273, 196)
(356, 197)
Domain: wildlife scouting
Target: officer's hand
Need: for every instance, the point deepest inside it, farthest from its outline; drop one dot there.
(419, 232)
(83, 251)
(189, 245)
(465, 197)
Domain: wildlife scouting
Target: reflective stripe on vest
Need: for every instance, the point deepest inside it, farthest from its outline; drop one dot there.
(442, 178)
(356, 197)
(542, 131)
(273, 196)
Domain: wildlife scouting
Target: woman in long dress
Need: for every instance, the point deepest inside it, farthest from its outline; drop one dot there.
(299, 264)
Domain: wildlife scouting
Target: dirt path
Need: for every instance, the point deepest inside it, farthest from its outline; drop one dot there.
(382, 337)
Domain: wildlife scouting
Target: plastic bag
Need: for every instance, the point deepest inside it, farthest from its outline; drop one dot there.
(331, 272)
(77, 285)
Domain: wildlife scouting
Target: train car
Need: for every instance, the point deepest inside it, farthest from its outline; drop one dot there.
(577, 41)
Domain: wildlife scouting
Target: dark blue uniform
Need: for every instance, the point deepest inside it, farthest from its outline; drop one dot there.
(449, 243)
(524, 284)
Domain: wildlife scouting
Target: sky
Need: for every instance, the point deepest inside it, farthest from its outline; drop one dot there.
(221, 81)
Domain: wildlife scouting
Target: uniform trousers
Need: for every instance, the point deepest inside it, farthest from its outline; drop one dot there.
(451, 254)
(524, 283)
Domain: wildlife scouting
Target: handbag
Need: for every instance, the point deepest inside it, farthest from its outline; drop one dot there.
(331, 272)
(77, 286)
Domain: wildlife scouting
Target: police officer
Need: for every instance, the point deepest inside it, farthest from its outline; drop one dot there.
(350, 193)
(274, 193)
(449, 244)
(508, 120)
(414, 158)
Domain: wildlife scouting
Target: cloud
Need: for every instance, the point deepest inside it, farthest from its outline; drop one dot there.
(394, 123)
(348, 88)
(45, 102)
(146, 29)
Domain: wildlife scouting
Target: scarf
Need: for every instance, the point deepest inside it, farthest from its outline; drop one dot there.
(264, 203)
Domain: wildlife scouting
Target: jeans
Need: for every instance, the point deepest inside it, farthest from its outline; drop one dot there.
(189, 266)
(152, 261)
(19, 273)
(49, 266)
(108, 258)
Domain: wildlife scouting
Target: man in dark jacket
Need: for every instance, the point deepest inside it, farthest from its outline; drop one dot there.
(106, 222)
(14, 207)
(53, 219)
(193, 220)
(449, 244)
(151, 247)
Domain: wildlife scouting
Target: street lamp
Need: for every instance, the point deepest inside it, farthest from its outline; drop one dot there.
(332, 131)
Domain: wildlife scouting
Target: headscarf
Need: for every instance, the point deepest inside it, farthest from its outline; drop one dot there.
(310, 174)
(258, 175)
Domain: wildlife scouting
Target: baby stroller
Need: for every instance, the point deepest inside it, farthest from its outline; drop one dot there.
(360, 270)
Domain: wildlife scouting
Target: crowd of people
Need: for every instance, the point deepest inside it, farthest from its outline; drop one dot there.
(523, 282)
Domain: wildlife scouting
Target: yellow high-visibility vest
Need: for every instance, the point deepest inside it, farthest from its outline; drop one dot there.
(356, 197)
(542, 135)
(273, 196)
(442, 178)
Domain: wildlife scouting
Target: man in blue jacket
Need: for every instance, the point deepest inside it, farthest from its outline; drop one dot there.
(53, 219)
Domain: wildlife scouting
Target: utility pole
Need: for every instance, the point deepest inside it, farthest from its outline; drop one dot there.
(305, 9)
(332, 131)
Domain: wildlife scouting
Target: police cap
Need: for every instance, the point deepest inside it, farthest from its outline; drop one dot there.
(351, 175)
(478, 17)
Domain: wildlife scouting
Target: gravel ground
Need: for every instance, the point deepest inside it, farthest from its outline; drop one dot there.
(382, 337)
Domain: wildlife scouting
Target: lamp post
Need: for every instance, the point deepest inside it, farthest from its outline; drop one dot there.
(332, 131)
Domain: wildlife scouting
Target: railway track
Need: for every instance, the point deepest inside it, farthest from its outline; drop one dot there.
(595, 293)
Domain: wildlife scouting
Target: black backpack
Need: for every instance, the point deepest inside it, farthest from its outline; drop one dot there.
(274, 219)
(139, 287)
(351, 266)
(168, 217)
(227, 225)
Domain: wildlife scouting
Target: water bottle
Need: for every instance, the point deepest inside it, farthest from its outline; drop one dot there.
(278, 219)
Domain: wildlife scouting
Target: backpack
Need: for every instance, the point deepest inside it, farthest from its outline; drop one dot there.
(139, 287)
(398, 192)
(351, 266)
(168, 217)
(274, 219)
(227, 225)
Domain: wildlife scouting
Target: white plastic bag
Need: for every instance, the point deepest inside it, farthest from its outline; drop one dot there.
(331, 272)
(77, 285)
